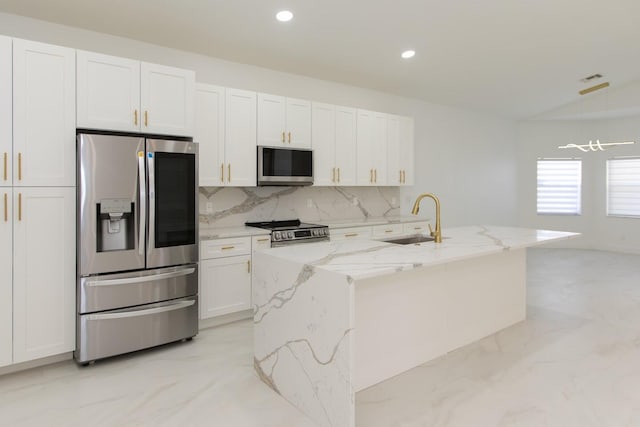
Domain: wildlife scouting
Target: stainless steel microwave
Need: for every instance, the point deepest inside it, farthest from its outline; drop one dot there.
(284, 166)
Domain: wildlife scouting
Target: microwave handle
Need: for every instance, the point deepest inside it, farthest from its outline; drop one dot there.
(142, 203)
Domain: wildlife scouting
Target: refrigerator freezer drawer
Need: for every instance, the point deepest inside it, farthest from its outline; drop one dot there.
(122, 331)
(111, 291)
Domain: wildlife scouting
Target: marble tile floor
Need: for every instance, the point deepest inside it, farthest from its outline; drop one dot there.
(574, 362)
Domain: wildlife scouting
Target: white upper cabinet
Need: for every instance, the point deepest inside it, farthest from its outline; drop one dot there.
(108, 92)
(6, 113)
(209, 134)
(126, 95)
(44, 108)
(407, 157)
(334, 144)
(393, 151)
(240, 138)
(372, 148)
(167, 99)
(284, 121)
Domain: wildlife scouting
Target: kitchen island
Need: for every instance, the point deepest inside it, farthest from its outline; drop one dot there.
(331, 319)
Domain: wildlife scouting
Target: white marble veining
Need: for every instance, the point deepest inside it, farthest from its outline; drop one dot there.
(304, 306)
(359, 259)
(233, 206)
(572, 363)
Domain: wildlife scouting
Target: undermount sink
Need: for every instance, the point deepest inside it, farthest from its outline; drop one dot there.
(411, 240)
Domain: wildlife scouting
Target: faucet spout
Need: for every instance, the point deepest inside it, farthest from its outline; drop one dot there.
(437, 233)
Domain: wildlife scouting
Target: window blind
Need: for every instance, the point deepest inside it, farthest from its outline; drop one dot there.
(559, 187)
(623, 187)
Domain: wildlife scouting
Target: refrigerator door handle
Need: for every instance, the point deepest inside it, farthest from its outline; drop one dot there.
(145, 312)
(152, 205)
(141, 279)
(142, 203)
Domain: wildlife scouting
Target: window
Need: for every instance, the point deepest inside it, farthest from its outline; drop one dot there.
(559, 186)
(623, 187)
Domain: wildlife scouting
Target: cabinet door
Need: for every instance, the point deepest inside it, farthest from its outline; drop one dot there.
(271, 120)
(298, 123)
(44, 272)
(108, 92)
(407, 158)
(393, 151)
(167, 98)
(365, 146)
(6, 112)
(6, 278)
(323, 138)
(379, 147)
(240, 138)
(209, 134)
(346, 149)
(44, 114)
(225, 286)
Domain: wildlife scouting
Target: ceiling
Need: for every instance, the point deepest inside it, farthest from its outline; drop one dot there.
(513, 58)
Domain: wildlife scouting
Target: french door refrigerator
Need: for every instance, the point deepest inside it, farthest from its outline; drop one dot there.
(137, 243)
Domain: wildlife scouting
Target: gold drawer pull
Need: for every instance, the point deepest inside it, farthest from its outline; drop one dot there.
(351, 235)
(417, 228)
(221, 172)
(135, 117)
(262, 240)
(283, 137)
(338, 174)
(388, 231)
(229, 174)
(146, 118)
(226, 248)
(289, 137)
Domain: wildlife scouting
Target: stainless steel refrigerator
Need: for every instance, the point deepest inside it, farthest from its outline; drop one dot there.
(137, 243)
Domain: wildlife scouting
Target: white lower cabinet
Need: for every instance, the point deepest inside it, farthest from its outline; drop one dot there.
(387, 230)
(43, 271)
(350, 233)
(225, 282)
(6, 282)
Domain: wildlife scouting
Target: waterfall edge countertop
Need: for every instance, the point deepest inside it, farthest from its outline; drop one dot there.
(364, 258)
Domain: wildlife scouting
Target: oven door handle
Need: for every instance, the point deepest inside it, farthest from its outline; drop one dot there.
(142, 203)
(140, 279)
(145, 312)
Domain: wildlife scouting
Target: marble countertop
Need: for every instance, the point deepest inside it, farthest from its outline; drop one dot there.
(360, 259)
(224, 232)
(241, 230)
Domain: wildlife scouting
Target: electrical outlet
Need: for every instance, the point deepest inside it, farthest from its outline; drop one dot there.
(354, 201)
(309, 203)
(209, 207)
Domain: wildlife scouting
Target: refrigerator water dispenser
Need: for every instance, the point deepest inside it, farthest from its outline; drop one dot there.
(115, 225)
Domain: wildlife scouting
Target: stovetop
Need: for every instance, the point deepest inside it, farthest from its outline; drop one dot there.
(289, 224)
(292, 231)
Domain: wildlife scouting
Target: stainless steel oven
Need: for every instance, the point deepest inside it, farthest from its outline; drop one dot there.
(137, 243)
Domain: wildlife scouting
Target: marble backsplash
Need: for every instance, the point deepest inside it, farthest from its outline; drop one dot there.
(233, 206)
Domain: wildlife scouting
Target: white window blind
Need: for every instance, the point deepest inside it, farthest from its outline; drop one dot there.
(623, 187)
(559, 186)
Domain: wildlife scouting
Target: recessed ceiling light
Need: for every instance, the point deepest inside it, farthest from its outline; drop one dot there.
(284, 16)
(408, 54)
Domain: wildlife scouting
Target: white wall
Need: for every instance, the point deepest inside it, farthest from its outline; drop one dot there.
(467, 158)
(541, 139)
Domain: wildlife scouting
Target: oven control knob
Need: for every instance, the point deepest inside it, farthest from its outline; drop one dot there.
(276, 235)
(290, 234)
(314, 232)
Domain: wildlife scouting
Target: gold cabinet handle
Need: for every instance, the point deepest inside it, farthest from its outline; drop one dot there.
(338, 174)
(146, 118)
(221, 172)
(371, 175)
(400, 177)
(226, 248)
(351, 235)
(248, 266)
(375, 175)
(289, 137)
(19, 166)
(6, 209)
(262, 240)
(229, 172)
(19, 206)
(388, 231)
(283, 137)
(333, 175)
(135, 117)
(5, 165)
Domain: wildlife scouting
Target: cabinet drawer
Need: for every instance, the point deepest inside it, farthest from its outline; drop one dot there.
(220, 248)
(387, 230)
(416, 227)
(260, 242)
(351, 233)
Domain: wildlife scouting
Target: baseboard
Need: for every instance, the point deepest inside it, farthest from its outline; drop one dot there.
(35, 363)
(223, 320)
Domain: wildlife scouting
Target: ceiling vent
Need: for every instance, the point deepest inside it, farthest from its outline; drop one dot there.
(591, 78)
